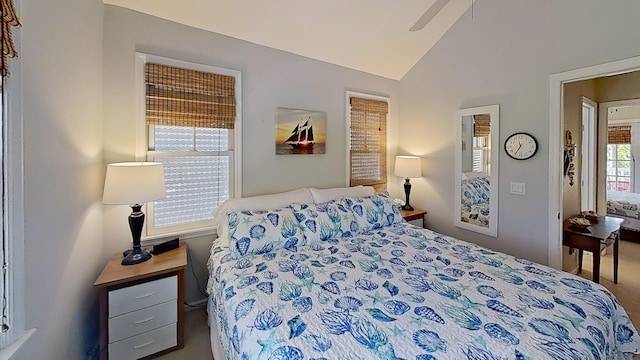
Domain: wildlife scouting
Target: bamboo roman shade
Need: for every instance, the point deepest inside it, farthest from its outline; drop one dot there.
(368, 139)
(619, 134)
(184, 97)
(481, 125)
(8, 19)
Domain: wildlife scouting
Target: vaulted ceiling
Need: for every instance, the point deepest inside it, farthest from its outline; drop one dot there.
(367, 35)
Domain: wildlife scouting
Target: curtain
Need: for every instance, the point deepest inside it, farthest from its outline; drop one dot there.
(8, 19)
(368, 139)
(619, 134)
(184, 97)
(481, 125)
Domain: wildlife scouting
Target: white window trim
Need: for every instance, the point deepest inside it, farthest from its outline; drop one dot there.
(142, 136)
(17, 335)
(348, 95)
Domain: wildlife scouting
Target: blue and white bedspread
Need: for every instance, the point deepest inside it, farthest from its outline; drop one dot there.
(403, 292)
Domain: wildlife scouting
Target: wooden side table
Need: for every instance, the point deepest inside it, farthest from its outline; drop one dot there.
(415, 214)
(141, 306)
(594, 238)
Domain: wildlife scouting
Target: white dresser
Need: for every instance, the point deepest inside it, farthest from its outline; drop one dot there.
(141, 306)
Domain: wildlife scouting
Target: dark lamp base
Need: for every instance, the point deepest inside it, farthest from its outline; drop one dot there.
(135, 256)
(407, 207)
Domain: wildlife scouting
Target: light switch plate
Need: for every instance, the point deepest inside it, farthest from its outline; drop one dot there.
(518, 188)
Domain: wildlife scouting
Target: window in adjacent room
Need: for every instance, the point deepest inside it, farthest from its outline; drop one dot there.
(619, 159)
(368, 140)
(480, 151)
(192, 117)
(481, 131)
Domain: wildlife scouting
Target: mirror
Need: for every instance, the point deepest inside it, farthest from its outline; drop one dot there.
(476, 169)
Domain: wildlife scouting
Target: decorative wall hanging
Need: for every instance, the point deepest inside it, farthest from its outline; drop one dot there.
(300, 132)
(569, 153)
(8, 19)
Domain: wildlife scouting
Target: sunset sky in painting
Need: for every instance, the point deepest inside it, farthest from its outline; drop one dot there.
(287, 119)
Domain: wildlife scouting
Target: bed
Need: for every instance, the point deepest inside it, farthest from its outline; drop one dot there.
(340, 276)
(475, 198)
(622, 203)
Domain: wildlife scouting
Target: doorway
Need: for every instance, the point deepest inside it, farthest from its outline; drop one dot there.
(556, 129)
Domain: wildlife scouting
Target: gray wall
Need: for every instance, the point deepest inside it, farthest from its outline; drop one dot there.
(505, 55)
(271, 79)
(61, 69)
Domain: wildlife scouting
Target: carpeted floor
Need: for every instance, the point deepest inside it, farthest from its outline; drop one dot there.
(627, 290)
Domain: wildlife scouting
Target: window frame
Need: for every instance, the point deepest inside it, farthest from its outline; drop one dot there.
(616, 161)
(12, 151)
(143, 136)
(348, 95)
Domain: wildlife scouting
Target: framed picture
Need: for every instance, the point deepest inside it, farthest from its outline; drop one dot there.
(300, 132)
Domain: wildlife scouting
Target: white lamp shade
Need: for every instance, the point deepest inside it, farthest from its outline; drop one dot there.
(130, 183)
(407, 167)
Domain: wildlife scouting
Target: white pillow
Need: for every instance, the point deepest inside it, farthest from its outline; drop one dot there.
(326, 195)
(261, 202)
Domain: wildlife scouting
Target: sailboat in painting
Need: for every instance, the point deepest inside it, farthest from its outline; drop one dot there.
(301, 136)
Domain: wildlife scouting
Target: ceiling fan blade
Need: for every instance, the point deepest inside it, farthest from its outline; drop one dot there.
(429, 15)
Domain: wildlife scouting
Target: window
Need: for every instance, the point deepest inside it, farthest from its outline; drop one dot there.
(368, 140)
(480, 158)
(191, 121)
(11, 193)
(619, 158)
(481, 133)
(619, 167)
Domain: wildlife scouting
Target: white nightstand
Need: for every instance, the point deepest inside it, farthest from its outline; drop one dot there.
(141, 313)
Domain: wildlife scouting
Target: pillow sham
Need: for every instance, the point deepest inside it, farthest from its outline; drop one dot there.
(260, 202)
(326, 195)
(374, 212)
(325, 221)
(263, 231)
(475, 191)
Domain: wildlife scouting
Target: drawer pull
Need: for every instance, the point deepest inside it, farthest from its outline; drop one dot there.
(144, 296)
(138, 322)
(144, 345)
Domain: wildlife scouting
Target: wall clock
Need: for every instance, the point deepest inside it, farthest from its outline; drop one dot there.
(521, 146)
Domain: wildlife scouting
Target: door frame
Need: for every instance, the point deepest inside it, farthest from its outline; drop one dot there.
(589, 156)
(556, 129)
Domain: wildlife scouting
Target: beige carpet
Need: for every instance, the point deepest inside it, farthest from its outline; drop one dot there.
(627, 291)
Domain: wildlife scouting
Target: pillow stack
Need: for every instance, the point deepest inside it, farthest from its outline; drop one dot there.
(254, 232)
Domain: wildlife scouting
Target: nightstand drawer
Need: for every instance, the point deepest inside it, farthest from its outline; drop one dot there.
(143, 320)
(144, 344)
(142, 295)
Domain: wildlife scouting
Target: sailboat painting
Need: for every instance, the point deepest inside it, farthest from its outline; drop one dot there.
(300, 131)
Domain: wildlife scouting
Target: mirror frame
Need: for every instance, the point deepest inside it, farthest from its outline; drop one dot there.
(494, 143)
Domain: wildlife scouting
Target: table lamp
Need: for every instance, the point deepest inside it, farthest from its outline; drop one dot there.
(134, 183)
(407, 167)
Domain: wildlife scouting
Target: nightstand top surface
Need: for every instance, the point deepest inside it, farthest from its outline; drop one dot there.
(413, 214)
(115, 273)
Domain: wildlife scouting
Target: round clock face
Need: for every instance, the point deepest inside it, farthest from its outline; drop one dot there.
(521, 146)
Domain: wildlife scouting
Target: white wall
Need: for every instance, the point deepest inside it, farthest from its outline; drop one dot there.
(505, 55)
(61, 71)
(271, 79)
